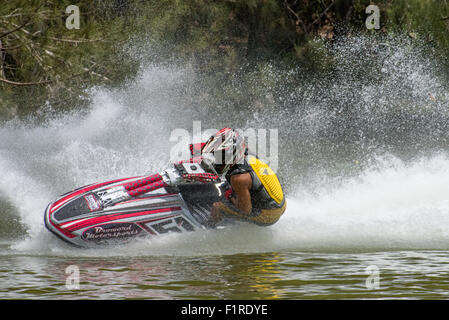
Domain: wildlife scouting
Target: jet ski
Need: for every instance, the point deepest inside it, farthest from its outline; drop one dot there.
(117, 211)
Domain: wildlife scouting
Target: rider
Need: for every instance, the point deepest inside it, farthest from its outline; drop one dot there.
(255, 194)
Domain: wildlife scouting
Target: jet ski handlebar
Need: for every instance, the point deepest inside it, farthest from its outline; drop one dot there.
(197, 169)
(182, 172)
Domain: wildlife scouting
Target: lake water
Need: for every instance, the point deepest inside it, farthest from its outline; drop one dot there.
(268, 275)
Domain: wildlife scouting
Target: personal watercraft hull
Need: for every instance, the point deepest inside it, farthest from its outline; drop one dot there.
(80, 218)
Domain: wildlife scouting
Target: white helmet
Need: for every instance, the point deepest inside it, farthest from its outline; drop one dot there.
(228, 147)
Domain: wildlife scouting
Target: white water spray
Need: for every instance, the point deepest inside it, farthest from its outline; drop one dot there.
(390, 204)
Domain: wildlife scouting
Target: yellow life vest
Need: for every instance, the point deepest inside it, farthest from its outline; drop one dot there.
(268, 178)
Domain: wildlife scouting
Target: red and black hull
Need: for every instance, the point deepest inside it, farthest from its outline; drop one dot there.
(79, 217)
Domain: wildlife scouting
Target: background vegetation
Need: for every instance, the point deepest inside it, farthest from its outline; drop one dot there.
(44, 63)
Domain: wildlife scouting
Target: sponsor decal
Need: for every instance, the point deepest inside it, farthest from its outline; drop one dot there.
(111, 231)
(177, 224)
(92, 202)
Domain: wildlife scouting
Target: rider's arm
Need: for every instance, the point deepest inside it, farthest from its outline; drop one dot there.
(241, 184)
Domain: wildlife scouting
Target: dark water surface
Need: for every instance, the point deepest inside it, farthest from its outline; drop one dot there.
(270, 275)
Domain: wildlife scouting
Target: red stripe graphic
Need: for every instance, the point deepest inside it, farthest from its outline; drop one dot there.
(117, 216)
(58, 227)
(142, 182)
(146, 198)
(83, 190)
